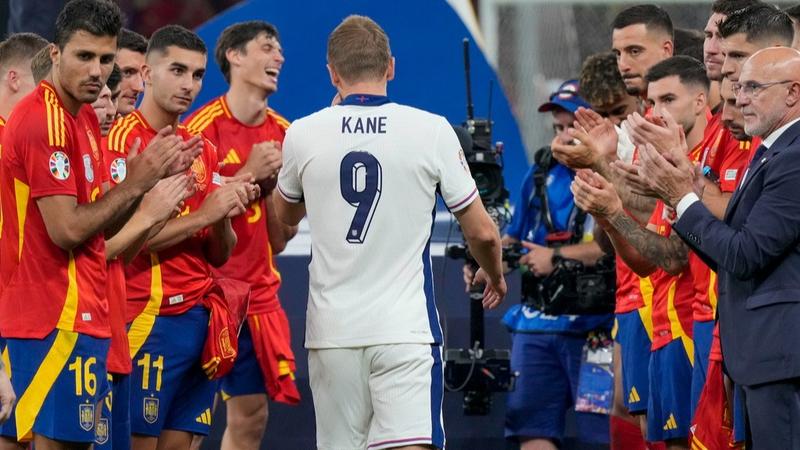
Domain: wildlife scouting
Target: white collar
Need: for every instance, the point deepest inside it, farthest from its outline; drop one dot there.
(769, 140)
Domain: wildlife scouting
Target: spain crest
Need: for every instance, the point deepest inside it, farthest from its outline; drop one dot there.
(199, 170)
(86, 416)
(93, 144)
(150, 410)
(101, 433)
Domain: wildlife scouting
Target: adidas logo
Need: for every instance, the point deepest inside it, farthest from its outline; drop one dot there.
(204, 418)
(671, 423)
(232, 157)
(634, 396)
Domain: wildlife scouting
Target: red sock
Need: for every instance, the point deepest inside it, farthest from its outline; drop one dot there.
(625, 435)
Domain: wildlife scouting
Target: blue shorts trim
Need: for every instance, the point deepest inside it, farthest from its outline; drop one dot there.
(246, 376)
(668, 411)
(635, 350)
(437, 397)
(58, 380)
(549, 368)
(703, 335)
(169, 390)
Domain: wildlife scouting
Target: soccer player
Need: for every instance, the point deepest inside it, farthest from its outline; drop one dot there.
(367, 171)
(130, 59)
(249, 136)
(677, 88)
(168, 285)
(52, 264)
(641, 37)
(104, 106)
(41, 65)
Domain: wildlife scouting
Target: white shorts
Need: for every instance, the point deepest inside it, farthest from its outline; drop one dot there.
(377, 397)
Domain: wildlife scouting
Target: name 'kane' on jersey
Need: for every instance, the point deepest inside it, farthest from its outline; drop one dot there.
(368, 171)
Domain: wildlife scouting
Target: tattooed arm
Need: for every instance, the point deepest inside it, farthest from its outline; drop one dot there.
(642, 249)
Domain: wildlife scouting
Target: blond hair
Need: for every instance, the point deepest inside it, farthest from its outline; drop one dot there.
(358, 50)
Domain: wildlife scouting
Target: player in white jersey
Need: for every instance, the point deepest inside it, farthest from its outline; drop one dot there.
(366, 172)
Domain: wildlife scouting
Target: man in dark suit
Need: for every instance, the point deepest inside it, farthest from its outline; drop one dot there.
(756, 248)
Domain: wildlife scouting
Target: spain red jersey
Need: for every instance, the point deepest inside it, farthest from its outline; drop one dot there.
(47, 151)
(119, 356)
(252, 260)
(724, 154)
(171, 281)
(673, 295)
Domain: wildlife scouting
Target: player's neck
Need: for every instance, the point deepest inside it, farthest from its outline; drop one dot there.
(247, 103)
(156, 116)
(698, 130)
(366, 87)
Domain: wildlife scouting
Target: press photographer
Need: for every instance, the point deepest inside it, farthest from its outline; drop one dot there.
(549, 337)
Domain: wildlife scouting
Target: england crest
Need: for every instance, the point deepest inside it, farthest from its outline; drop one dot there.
(101, 433)
(86, 416)
(150, 410)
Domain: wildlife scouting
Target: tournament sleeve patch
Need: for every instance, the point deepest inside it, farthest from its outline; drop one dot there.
(119, 170)
(59, 165)
(730, 174)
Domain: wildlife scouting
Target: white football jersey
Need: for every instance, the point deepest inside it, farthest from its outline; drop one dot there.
(368, 171)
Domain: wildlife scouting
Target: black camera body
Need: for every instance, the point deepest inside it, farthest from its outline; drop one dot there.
(573, 288)
(478, 372)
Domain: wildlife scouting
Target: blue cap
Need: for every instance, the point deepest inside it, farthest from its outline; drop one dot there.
(566, 97)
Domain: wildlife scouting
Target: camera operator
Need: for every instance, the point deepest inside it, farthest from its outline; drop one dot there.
(547, 348)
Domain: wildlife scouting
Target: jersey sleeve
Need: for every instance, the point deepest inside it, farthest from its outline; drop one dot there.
(48, 159)
(289, 183)
(455, 181)
(730, 161)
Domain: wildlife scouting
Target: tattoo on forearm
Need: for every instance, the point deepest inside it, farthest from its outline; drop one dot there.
(639, 205)
(669, 253)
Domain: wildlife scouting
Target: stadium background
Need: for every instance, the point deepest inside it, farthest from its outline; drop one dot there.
(527, 47)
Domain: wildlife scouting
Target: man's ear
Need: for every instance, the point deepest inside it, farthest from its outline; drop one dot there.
(390, 70)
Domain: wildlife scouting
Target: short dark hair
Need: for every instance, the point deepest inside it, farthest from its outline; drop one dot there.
(793, 12)
(689, 70)
(114, 78)
(601, 82)
(97, 17)
(653, 17)
(759, 22)
(175, 36)
(689, 42)
(236, 37)
(728, 7)
(41, 64)
(133, 41)
(20, 47)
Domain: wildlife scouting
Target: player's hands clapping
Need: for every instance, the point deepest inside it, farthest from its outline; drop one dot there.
(165, 199)
(595, 195)
(166, 154)
(230, 199)
(495, 290)
(264, 161)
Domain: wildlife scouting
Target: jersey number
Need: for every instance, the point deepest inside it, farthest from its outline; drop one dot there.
(360, 179)
(145, 364)
(85, 379)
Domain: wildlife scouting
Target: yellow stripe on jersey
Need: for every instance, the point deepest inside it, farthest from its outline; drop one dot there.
(22, 194)
(271, 265)
(70, 309)
(204, 118)
(31, 401)
(142, 325)
(55, 113)
(278, 118)
(698, 444)
(712, 291)
(119, 133)
(676, 328)
(645, 312)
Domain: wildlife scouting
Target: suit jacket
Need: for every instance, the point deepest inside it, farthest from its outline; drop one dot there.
(756, 253)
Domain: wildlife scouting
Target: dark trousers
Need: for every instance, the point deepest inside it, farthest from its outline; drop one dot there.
(773, 415)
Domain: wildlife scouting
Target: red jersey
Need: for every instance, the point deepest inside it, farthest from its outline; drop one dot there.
(252, 260)
(48, 151)
(724, 154)
(171, 281)
(673, 295)
(119, 356)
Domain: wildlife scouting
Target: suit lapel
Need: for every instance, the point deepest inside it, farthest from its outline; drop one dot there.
(786, 139)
